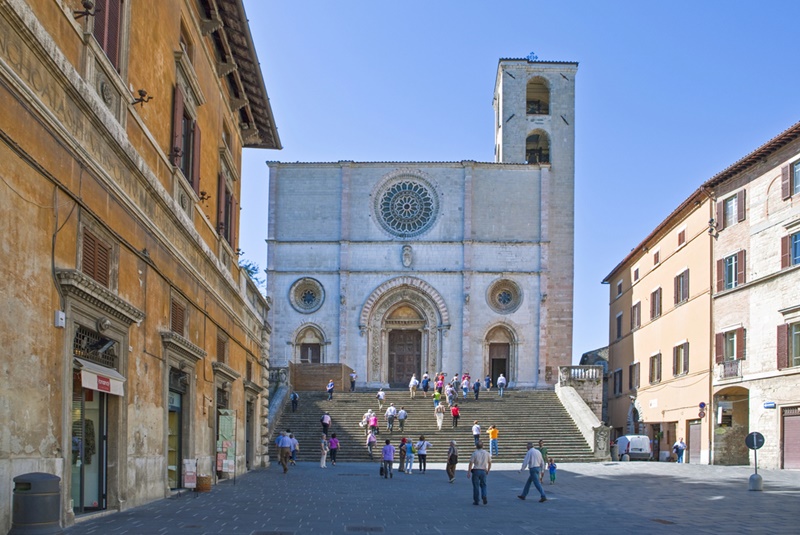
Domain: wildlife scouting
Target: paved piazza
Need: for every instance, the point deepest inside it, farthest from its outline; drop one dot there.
(613, 498)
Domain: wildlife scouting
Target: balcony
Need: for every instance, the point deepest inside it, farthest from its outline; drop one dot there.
(730, 369)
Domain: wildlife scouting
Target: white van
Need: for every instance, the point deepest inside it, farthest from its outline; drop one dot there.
(636, 446)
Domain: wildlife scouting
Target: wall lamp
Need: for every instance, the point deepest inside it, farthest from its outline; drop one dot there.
(88, 5)
(143, 98)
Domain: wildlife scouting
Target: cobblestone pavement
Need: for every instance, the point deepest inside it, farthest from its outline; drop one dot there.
(613, 498)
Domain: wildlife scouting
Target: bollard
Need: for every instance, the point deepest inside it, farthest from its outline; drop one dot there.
(625, 458)
(756, 482)
(37, 503)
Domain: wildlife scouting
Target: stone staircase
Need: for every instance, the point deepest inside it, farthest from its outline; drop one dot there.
(521, 416)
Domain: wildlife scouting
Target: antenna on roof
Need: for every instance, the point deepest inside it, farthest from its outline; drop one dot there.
(532, 57)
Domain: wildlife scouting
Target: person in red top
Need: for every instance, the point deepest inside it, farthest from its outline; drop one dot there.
(455, 414)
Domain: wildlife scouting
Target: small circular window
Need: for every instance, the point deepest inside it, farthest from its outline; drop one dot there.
(306, 295)
(504, 296)
(406, 206)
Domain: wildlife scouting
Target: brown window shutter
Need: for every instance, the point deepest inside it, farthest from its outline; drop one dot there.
(719, 352)
(234, 222)
(89, 254)
(652, 305)
(675, 360)
(681, 237)
(686, 357)
(677, 289)
(659, 304)
(720, 274)
(196, 158)
(720, 216)
(221, 205)
(112, 31)
(741, 268)
(178, 318)
(103, 263)
(740, 352)
(99, 28)
(685, 296)
(783, 346)
(741, 205)
(177, 127)
(786, 247)
(220, 349)
(786, 182)
(633, 317)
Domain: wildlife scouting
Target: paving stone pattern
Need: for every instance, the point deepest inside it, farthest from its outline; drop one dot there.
(601, 498)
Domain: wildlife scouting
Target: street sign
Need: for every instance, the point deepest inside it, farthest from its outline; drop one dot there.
(769, 404)
(754, 440)
(702, 405)
(701, 414)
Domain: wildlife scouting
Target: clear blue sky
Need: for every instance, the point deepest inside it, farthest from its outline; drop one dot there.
(667, 95)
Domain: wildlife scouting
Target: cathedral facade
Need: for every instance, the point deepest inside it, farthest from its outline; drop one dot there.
(396, 268)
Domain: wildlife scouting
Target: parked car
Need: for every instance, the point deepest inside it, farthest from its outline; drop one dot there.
(636, 446)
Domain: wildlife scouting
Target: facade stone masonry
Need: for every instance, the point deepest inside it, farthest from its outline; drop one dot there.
(425, 267)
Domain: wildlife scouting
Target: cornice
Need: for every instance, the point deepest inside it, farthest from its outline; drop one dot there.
(80, 286)
(225, 371)
(183, 347)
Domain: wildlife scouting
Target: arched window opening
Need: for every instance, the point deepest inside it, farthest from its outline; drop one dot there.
(537, 147)
(310, 344)
(537, 97)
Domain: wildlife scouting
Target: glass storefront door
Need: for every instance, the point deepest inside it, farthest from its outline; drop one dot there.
(89, 449)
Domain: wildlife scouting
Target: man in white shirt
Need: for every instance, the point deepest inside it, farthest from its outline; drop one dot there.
(535, 462)
(391, 412)
(353, 377)
(479, 465)
(501, 385)
(476, 433)
(412, 386)
(401, 417)
(380, 396)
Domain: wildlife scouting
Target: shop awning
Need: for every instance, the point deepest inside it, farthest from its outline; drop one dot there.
(100, 378)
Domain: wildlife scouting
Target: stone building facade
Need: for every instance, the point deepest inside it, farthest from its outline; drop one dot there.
(396, 268)
(742, 329)
(133, 344)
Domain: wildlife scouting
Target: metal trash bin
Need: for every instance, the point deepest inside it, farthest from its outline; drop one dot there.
(37, 505)
(614, 452)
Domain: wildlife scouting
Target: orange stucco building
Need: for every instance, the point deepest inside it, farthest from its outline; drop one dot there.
(135, 349)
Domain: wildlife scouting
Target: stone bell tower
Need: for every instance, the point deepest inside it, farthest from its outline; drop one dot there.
(534, 103)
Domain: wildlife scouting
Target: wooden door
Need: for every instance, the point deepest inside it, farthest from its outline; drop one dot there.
(404, 356)
(692, 453)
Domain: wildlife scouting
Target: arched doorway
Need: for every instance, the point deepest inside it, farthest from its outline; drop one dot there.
(501, 346)
(404, 320)
(309, 346)
(404, 325)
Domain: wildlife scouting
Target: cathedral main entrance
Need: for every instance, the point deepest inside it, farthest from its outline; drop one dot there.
(405, 353)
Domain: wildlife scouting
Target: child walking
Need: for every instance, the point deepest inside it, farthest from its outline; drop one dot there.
(551, 467)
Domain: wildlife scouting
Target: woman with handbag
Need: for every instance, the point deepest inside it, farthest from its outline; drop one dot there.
(422, 453)
(452, 460)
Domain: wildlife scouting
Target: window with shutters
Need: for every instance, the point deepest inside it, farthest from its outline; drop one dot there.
(635, 274)
(619, 325)
(682, 287)
(185, 152)
(636, 316)
(107, 26)
(96, 258)
(790, 250)
(655, 304)
(680, 359)
(222, 349)
(656, 257)
(730, 269)
(178, 317)
(227, 207)
(655, 369)
(249, 371)
(790, 180)
(788, 345)
(633, 376)
(681, 237)
(730, 345)
(731, 210)
(618, 382)
(619, 288)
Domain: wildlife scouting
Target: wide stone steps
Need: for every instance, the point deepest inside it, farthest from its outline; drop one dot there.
(520, 416)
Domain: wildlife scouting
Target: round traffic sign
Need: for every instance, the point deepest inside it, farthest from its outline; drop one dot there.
(702, 405)
(754, 440)
(701, 414)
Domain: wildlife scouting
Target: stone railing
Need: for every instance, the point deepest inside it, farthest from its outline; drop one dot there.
(567, 375)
